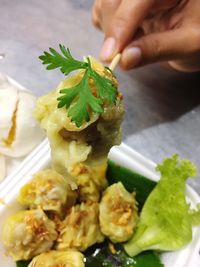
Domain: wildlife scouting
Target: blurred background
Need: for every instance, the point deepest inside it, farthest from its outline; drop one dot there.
(162, 106)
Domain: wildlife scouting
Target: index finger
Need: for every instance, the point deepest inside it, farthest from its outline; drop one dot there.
(124, 25)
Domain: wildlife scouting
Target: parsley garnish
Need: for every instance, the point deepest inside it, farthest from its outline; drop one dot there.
(80, 99)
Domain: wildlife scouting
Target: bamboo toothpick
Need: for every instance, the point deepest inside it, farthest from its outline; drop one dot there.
(115, 61)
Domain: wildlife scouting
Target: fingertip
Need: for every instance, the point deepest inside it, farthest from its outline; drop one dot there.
(108, 49)
(131, 58)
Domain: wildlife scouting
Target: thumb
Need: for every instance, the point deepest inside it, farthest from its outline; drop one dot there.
(170, 45)
(123, 25)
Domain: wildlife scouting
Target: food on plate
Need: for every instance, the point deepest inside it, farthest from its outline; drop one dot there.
(27, 234)
(2, 167)
(90, 181)
(49, 191)
(82, 117)
(19, 131)
(80, 229)
(84, 226)
(165, 223)
(68, 258)
(82, 120)
(73, 207)
(118, 213)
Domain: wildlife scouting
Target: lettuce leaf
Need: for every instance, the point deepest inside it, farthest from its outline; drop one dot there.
(195, 216)
(165, 223)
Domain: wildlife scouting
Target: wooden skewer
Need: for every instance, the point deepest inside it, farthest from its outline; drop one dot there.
(115, 61)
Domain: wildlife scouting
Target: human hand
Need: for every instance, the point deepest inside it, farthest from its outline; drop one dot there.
(148, 31)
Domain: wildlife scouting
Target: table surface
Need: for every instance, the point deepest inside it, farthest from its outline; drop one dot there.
(162, 106)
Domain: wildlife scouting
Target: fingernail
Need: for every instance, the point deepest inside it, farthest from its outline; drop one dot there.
(108, 49)
(132, 56)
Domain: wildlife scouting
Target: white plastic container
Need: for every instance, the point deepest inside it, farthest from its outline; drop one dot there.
(122, 155)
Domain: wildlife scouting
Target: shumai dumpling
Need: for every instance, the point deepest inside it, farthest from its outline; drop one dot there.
(91, 180)
(69, 143)
(47, 190)
(27, 234)
(80, 229)
(118, 213)
(53, 258)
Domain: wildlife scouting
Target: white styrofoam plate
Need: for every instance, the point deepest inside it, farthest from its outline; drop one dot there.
(123, 155)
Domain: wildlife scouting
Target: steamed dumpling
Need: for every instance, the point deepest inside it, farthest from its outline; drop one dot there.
(80, 229)
(49, 191)
(53, 258)
(27, 234)
(19, 131)
(24, 133)
(91, 180)
(71, 145)
(65, 153)
(118, 213)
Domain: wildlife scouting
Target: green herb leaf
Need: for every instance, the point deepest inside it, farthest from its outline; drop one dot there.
(79, 100)
(79, 110)
(64, 61)
(165, 223)
(105, 89)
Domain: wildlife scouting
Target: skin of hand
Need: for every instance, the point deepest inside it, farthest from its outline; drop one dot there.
(148, 31)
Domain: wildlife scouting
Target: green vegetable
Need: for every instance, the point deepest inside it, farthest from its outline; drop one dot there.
(165, 223)
(64, 61)
(22, 263)
(195, 216)
(131, 180)
(101, 256)
(80, 99)
(148, 259)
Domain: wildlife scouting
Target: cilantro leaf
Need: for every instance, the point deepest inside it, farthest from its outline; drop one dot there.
(105, 88)
(79, 110)
(64, 61)
(79, 100)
